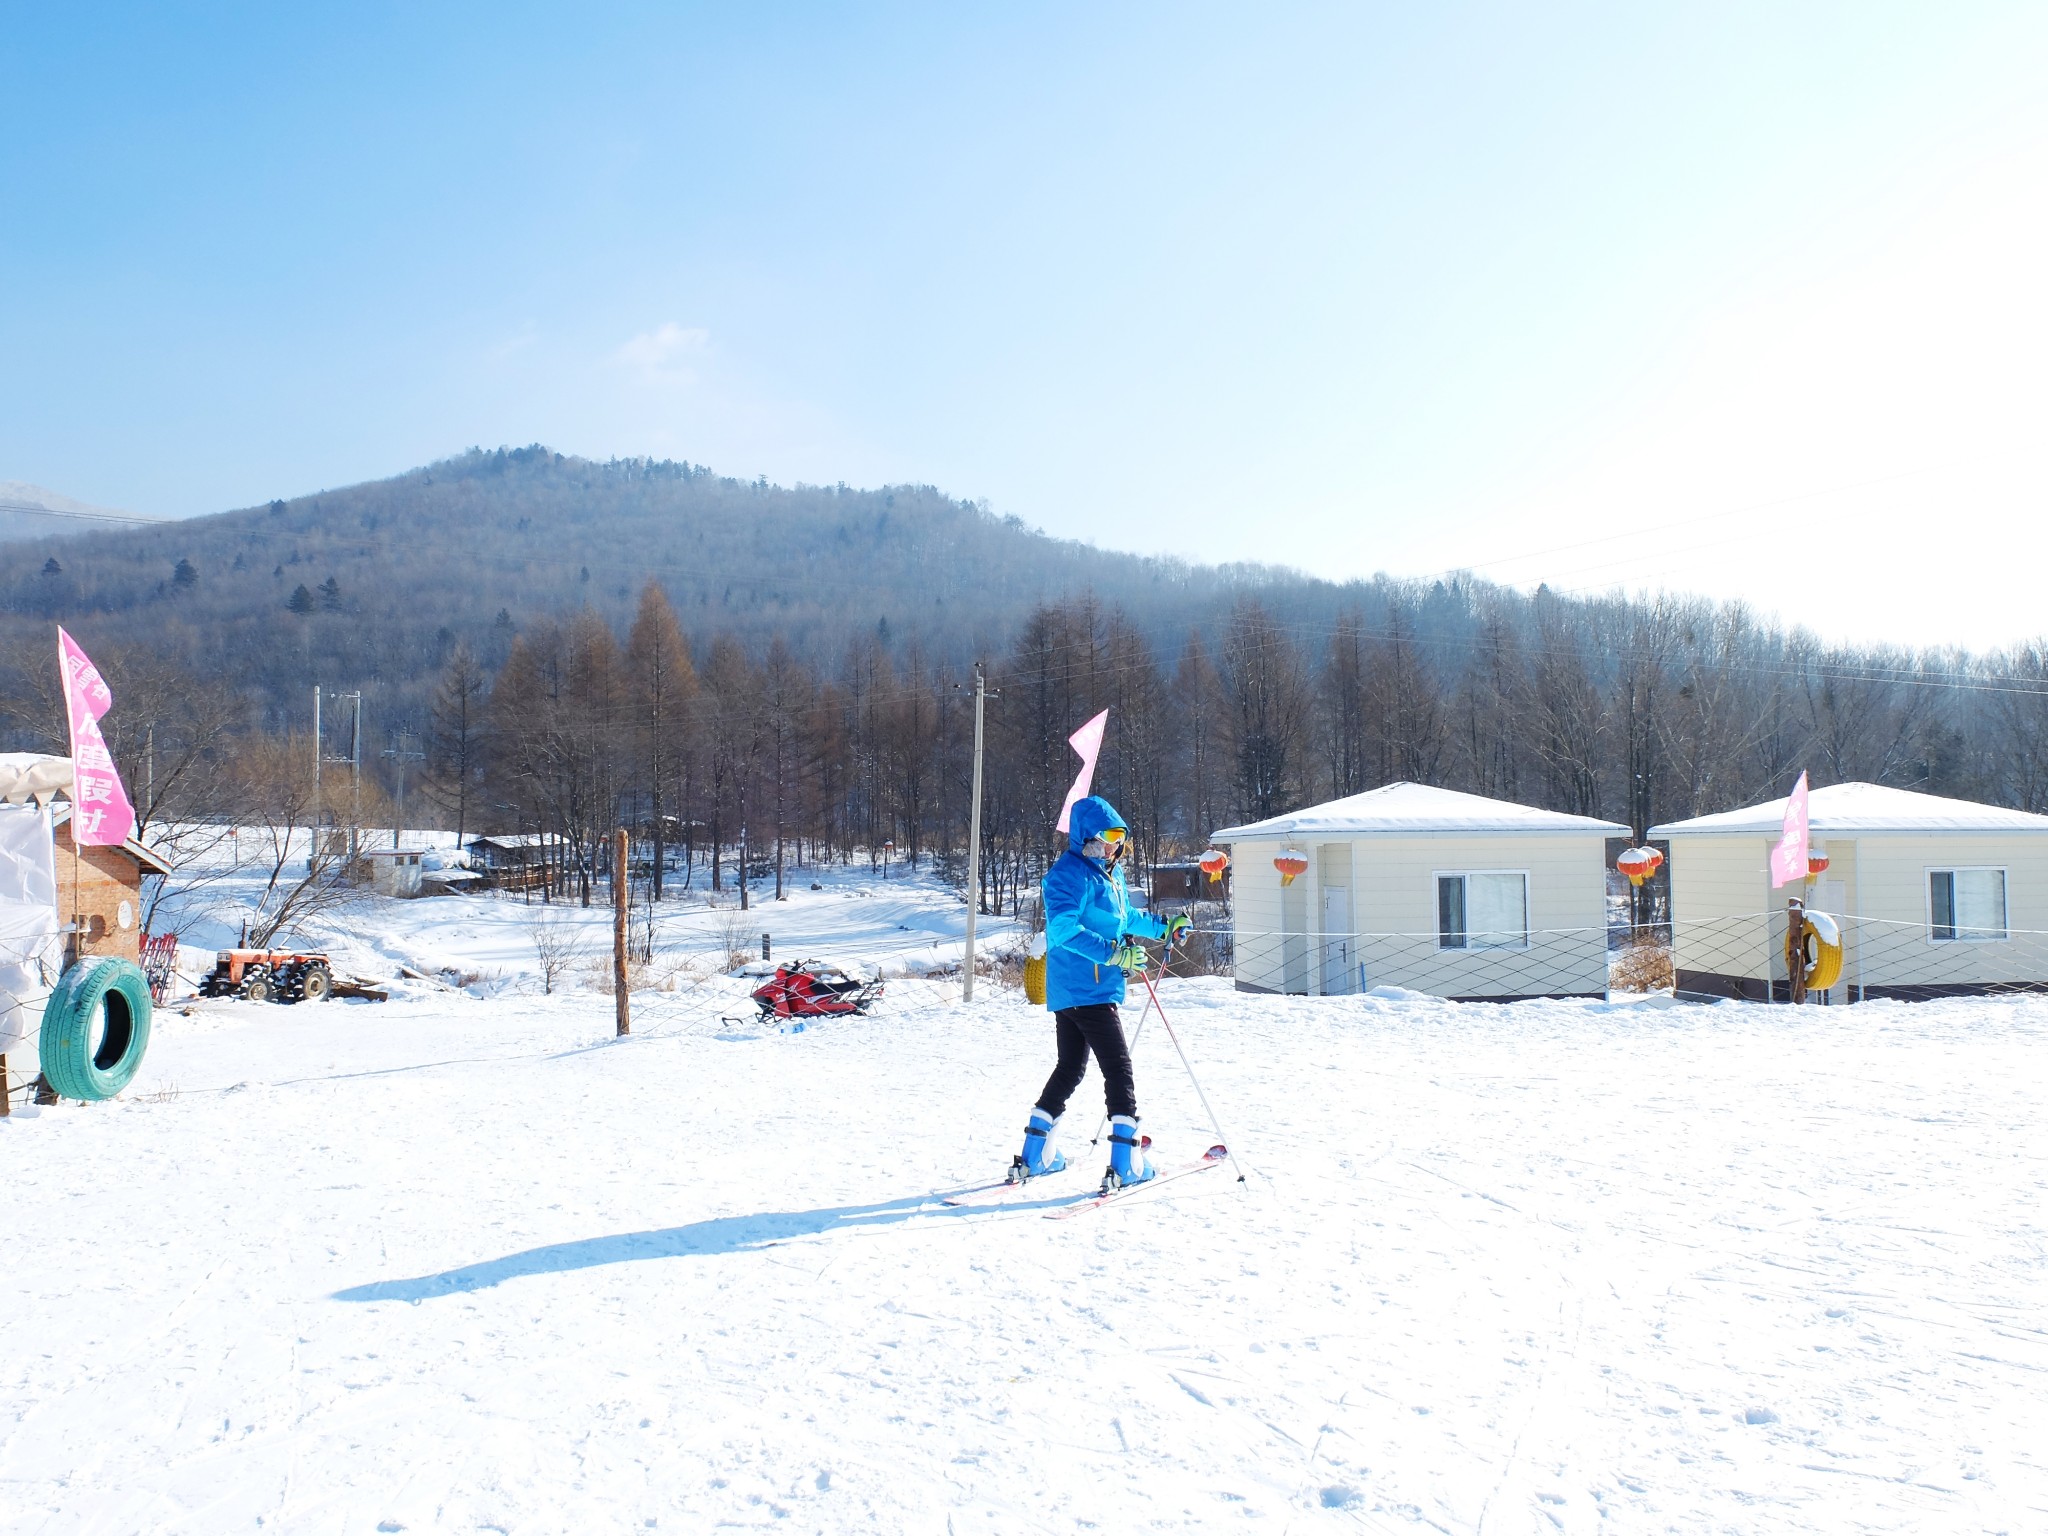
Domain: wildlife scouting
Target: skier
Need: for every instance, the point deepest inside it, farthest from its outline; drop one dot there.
(1091, 936)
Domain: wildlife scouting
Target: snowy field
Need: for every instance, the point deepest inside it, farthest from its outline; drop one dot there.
(463, 1262)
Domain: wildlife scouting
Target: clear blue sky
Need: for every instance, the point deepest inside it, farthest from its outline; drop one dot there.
(1350, 287)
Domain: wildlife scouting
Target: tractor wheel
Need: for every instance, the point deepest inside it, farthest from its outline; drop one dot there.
(316, 983)
(257, 986)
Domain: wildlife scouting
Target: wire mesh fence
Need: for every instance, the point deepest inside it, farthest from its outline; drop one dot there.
(1745, 956)
(1740, 956)
(1564, 962)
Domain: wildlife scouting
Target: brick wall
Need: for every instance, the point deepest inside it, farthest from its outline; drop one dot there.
(104, 879)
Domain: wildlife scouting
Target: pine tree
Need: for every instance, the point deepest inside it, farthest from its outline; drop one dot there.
(301, 600)
(330, 596)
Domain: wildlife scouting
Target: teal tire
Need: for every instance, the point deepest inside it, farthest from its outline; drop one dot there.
(95, 1028)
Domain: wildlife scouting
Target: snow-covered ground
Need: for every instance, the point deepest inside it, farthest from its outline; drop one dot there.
(464, 1262)
(906, 924)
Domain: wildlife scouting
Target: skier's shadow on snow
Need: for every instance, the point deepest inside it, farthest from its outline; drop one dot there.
(720, 1234)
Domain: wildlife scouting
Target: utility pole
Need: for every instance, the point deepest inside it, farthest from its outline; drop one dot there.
(400, 757)
(355, 772)
(974, 839)
(354, 760)
(622, 999)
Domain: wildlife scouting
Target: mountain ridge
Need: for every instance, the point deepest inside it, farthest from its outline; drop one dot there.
(388, 574)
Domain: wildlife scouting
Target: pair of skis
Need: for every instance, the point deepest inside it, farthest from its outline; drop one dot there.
(1005, 1192)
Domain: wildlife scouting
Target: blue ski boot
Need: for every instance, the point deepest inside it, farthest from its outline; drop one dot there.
(1128, 1163)
(1038, 1156)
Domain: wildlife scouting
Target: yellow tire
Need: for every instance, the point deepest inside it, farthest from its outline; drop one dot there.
(1823, 952)
(1034, 981)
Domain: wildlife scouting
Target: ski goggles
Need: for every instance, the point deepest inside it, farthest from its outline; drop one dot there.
(1106, 844)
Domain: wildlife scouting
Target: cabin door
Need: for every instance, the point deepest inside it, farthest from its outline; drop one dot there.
(1336, 941)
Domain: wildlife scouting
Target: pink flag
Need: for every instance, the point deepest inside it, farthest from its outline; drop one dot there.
(1088, 742)
(100, 813)
(1788, 858)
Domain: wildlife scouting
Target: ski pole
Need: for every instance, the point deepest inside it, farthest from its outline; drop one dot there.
(1214, 1123)
(1131, 1045)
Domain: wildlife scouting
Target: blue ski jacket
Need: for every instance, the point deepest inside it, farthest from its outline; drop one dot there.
(1088, 912)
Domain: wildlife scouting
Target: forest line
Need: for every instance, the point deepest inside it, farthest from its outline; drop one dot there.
(1634, 710)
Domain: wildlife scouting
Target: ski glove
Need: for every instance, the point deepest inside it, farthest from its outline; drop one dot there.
(1131, 956)
(1176, 925)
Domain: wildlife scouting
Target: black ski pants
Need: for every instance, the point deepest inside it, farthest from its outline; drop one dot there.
(1096, 1028)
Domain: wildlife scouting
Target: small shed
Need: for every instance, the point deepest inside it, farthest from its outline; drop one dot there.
(1935, 897)
(1427, 889)
(1187, 882)
(394, 871)
(100, 890)
(515, 860)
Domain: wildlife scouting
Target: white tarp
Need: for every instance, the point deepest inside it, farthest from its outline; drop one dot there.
(32, 776)
(29, 924)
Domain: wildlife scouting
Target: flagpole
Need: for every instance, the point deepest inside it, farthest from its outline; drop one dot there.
(71, 821)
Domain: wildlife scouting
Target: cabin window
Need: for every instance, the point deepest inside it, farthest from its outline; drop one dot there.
(1966, 905)
(1482, 909)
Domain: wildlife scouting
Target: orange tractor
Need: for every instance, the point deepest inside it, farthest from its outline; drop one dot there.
(269, 975)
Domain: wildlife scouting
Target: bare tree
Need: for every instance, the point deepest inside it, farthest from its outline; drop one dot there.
(1267, 688)
(1568, 726)
(788, 694)
(456, 742)
(303, 865)
(557, 944)
(1199, 705)
(663, 686)
(733, 735)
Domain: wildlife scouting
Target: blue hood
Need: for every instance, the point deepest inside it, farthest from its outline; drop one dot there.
(1088, 914)
(1089, 817)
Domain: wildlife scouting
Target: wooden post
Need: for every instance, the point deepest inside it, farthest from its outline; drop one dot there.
(622, 999)
(1795, 948)
(6, 1103)
(973, 841)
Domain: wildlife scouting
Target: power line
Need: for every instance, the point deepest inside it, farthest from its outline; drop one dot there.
(82, 516)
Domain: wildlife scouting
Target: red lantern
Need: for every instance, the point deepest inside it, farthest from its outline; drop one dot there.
(1636, 863)
(1291, 864)
(1656, 858)
(1214, 862)
(1816, 863)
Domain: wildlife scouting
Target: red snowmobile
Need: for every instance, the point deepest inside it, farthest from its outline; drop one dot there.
(813, 989)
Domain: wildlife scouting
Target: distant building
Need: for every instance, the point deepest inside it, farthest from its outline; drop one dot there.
(515, 860)
(1186, 882)
(393, 872)
(1935, 897)
(1425, 889)
(100, 891)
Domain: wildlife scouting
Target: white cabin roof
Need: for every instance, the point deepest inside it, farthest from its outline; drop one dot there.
(1858, 810)
(1416, 810)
